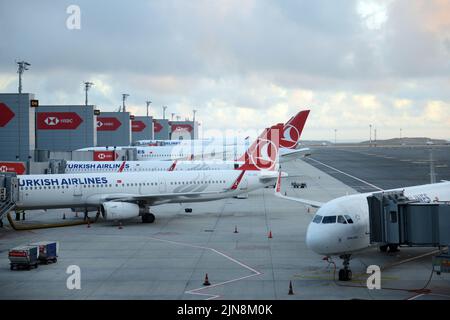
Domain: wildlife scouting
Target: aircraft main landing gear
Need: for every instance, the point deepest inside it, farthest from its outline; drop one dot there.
(345, 274)
(148, 218)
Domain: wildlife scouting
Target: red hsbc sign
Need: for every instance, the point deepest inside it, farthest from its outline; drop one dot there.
(105, 156)
(6, 114)
(137, 125)
(17, 167)
(58, 120)
(108, 124)
(157, 126)
(181, 127)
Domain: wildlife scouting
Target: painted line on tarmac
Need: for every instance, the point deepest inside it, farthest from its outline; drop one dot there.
(349, 175)
(213, 296)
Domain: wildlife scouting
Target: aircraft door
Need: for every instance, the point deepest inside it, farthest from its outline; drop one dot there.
(77, 191)
(162, 186)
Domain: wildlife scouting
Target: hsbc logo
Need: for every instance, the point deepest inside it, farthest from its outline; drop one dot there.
(3, 169)
(99, 124)
(51, 121)
(101, 156)
(58, 120)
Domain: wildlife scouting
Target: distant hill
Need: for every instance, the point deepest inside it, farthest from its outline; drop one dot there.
(409, 141)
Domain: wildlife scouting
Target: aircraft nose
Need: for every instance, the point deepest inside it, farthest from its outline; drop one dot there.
(313, 238)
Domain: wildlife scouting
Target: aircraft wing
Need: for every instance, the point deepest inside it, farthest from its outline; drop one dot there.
(150, 198)
(312, 203)
(292, 154)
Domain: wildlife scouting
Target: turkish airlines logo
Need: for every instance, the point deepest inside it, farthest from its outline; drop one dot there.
(265, 154)
(290, 137)
(51, 121)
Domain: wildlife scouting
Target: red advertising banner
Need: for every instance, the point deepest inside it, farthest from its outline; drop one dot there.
(181, 127)
(105, 156)
(157, 127)
(108, 124)
(137, 126)
(17, 167)
(6, 114)
(58, 120)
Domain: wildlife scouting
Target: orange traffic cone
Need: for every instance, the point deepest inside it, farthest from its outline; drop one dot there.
(206, 283)
(270, 234)
(120, 225)
(235, 229)
(291, 292)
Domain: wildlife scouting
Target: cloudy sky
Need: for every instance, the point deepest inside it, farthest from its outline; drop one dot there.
(243, 64)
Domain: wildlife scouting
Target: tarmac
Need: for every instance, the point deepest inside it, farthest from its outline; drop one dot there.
(170, 258)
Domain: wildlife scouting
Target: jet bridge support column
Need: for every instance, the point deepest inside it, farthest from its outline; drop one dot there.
(9, 193)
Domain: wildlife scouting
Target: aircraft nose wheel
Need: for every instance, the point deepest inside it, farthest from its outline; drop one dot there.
(148, 218)
(345, 274)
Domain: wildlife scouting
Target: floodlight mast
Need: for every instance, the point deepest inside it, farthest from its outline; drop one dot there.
(22, 66)
(87, 86)
(124, 97)
(148, 102)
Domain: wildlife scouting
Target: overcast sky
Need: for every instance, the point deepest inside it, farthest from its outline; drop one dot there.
(243, 64)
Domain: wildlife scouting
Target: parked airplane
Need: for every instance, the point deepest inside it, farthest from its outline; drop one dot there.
(289, 142)
(126, 195)
(161, 165)
(341, 226)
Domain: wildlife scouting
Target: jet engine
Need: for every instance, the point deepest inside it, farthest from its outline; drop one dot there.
(114, 210)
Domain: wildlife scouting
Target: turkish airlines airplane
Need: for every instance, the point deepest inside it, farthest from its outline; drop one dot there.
(126, 195)
(289, 142)
(341, 226)
(176, 165)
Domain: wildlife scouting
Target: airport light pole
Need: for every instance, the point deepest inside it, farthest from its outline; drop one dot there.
(335, 135)
(148, 102)
(194, 111)
(22, 66)
(164, 112)
(124, 97)
(173, 115)
(87, 86)
(370, 135)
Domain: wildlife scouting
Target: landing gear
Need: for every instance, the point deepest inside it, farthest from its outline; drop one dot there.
(86, 216)
(188, 210)
(148, 218)
(345, 274)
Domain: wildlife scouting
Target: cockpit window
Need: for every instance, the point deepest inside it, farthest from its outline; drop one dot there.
(342, 220)
(317, 219)
(349, 220)
(329, 219)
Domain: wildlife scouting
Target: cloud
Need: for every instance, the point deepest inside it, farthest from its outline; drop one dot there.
(241, 64)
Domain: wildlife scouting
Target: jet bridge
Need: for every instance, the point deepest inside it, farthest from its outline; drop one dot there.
(396, 219)
(9, 193)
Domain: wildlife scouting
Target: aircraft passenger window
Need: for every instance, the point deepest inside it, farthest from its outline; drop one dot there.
(317, 219)
(349, 220)
(329, 219)
(341, 219)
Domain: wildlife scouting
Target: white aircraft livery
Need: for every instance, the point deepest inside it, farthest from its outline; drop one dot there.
(126, 195)
(341, 226)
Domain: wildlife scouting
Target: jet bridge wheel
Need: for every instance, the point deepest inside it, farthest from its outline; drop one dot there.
(148, 218)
